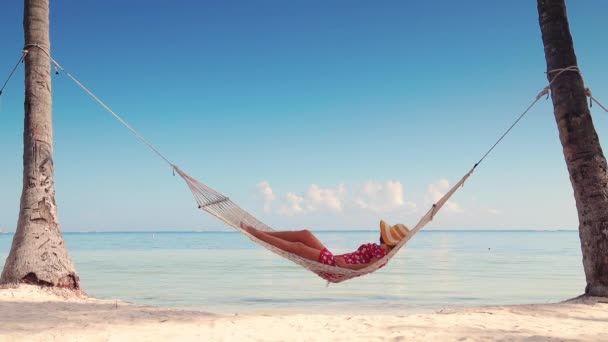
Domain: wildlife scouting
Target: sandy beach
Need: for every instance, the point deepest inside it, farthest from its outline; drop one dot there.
(33, 314)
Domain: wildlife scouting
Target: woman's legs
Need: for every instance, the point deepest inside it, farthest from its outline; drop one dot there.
(296, 247)
(303, 236)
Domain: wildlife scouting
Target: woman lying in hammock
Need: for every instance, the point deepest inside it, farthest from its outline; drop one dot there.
(306, 245)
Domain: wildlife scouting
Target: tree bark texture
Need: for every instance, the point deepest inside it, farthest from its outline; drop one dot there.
(582, 151)
(38, 254)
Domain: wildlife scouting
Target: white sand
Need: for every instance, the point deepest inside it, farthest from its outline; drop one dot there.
(34, 314)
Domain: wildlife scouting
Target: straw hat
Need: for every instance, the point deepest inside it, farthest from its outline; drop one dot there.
(393, 234)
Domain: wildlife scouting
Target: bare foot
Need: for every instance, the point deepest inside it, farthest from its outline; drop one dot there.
(246, 227)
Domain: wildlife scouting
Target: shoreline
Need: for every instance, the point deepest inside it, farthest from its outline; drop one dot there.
(33, 313)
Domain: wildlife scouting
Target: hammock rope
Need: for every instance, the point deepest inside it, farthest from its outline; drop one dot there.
(593, 99)
(221, 207)
(13, 71)
(92, 95)
(542, 93)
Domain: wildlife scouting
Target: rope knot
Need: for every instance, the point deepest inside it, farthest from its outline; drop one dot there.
(543, 92)
(590, 96)
(560, 71)
(43, 48)
(587, 90)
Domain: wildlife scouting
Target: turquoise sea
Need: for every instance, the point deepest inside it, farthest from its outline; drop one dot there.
(224, 272)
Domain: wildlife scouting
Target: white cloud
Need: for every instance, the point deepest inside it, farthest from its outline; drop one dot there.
(331, 199)
(436, 191)
(374, 196)
(494, 211)
(381, 197)
(265, 190)
(315, 199)
(292, 205)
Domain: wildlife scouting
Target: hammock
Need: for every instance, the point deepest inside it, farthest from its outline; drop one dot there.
(229, 212)
(224, 209)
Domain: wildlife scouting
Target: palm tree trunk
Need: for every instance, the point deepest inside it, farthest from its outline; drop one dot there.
(38, 254)
(584, 157)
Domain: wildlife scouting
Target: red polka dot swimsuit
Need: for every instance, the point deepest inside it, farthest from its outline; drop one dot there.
(362, 255)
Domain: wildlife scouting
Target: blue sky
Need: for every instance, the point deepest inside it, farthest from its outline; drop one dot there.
(326, 115)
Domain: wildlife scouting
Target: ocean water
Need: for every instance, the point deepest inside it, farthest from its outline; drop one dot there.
(224, 272)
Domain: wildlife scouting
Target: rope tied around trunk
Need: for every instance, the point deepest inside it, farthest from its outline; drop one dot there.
(576, 69)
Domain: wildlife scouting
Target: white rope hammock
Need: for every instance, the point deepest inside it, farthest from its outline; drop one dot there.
(224, 209)
(220, 206)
